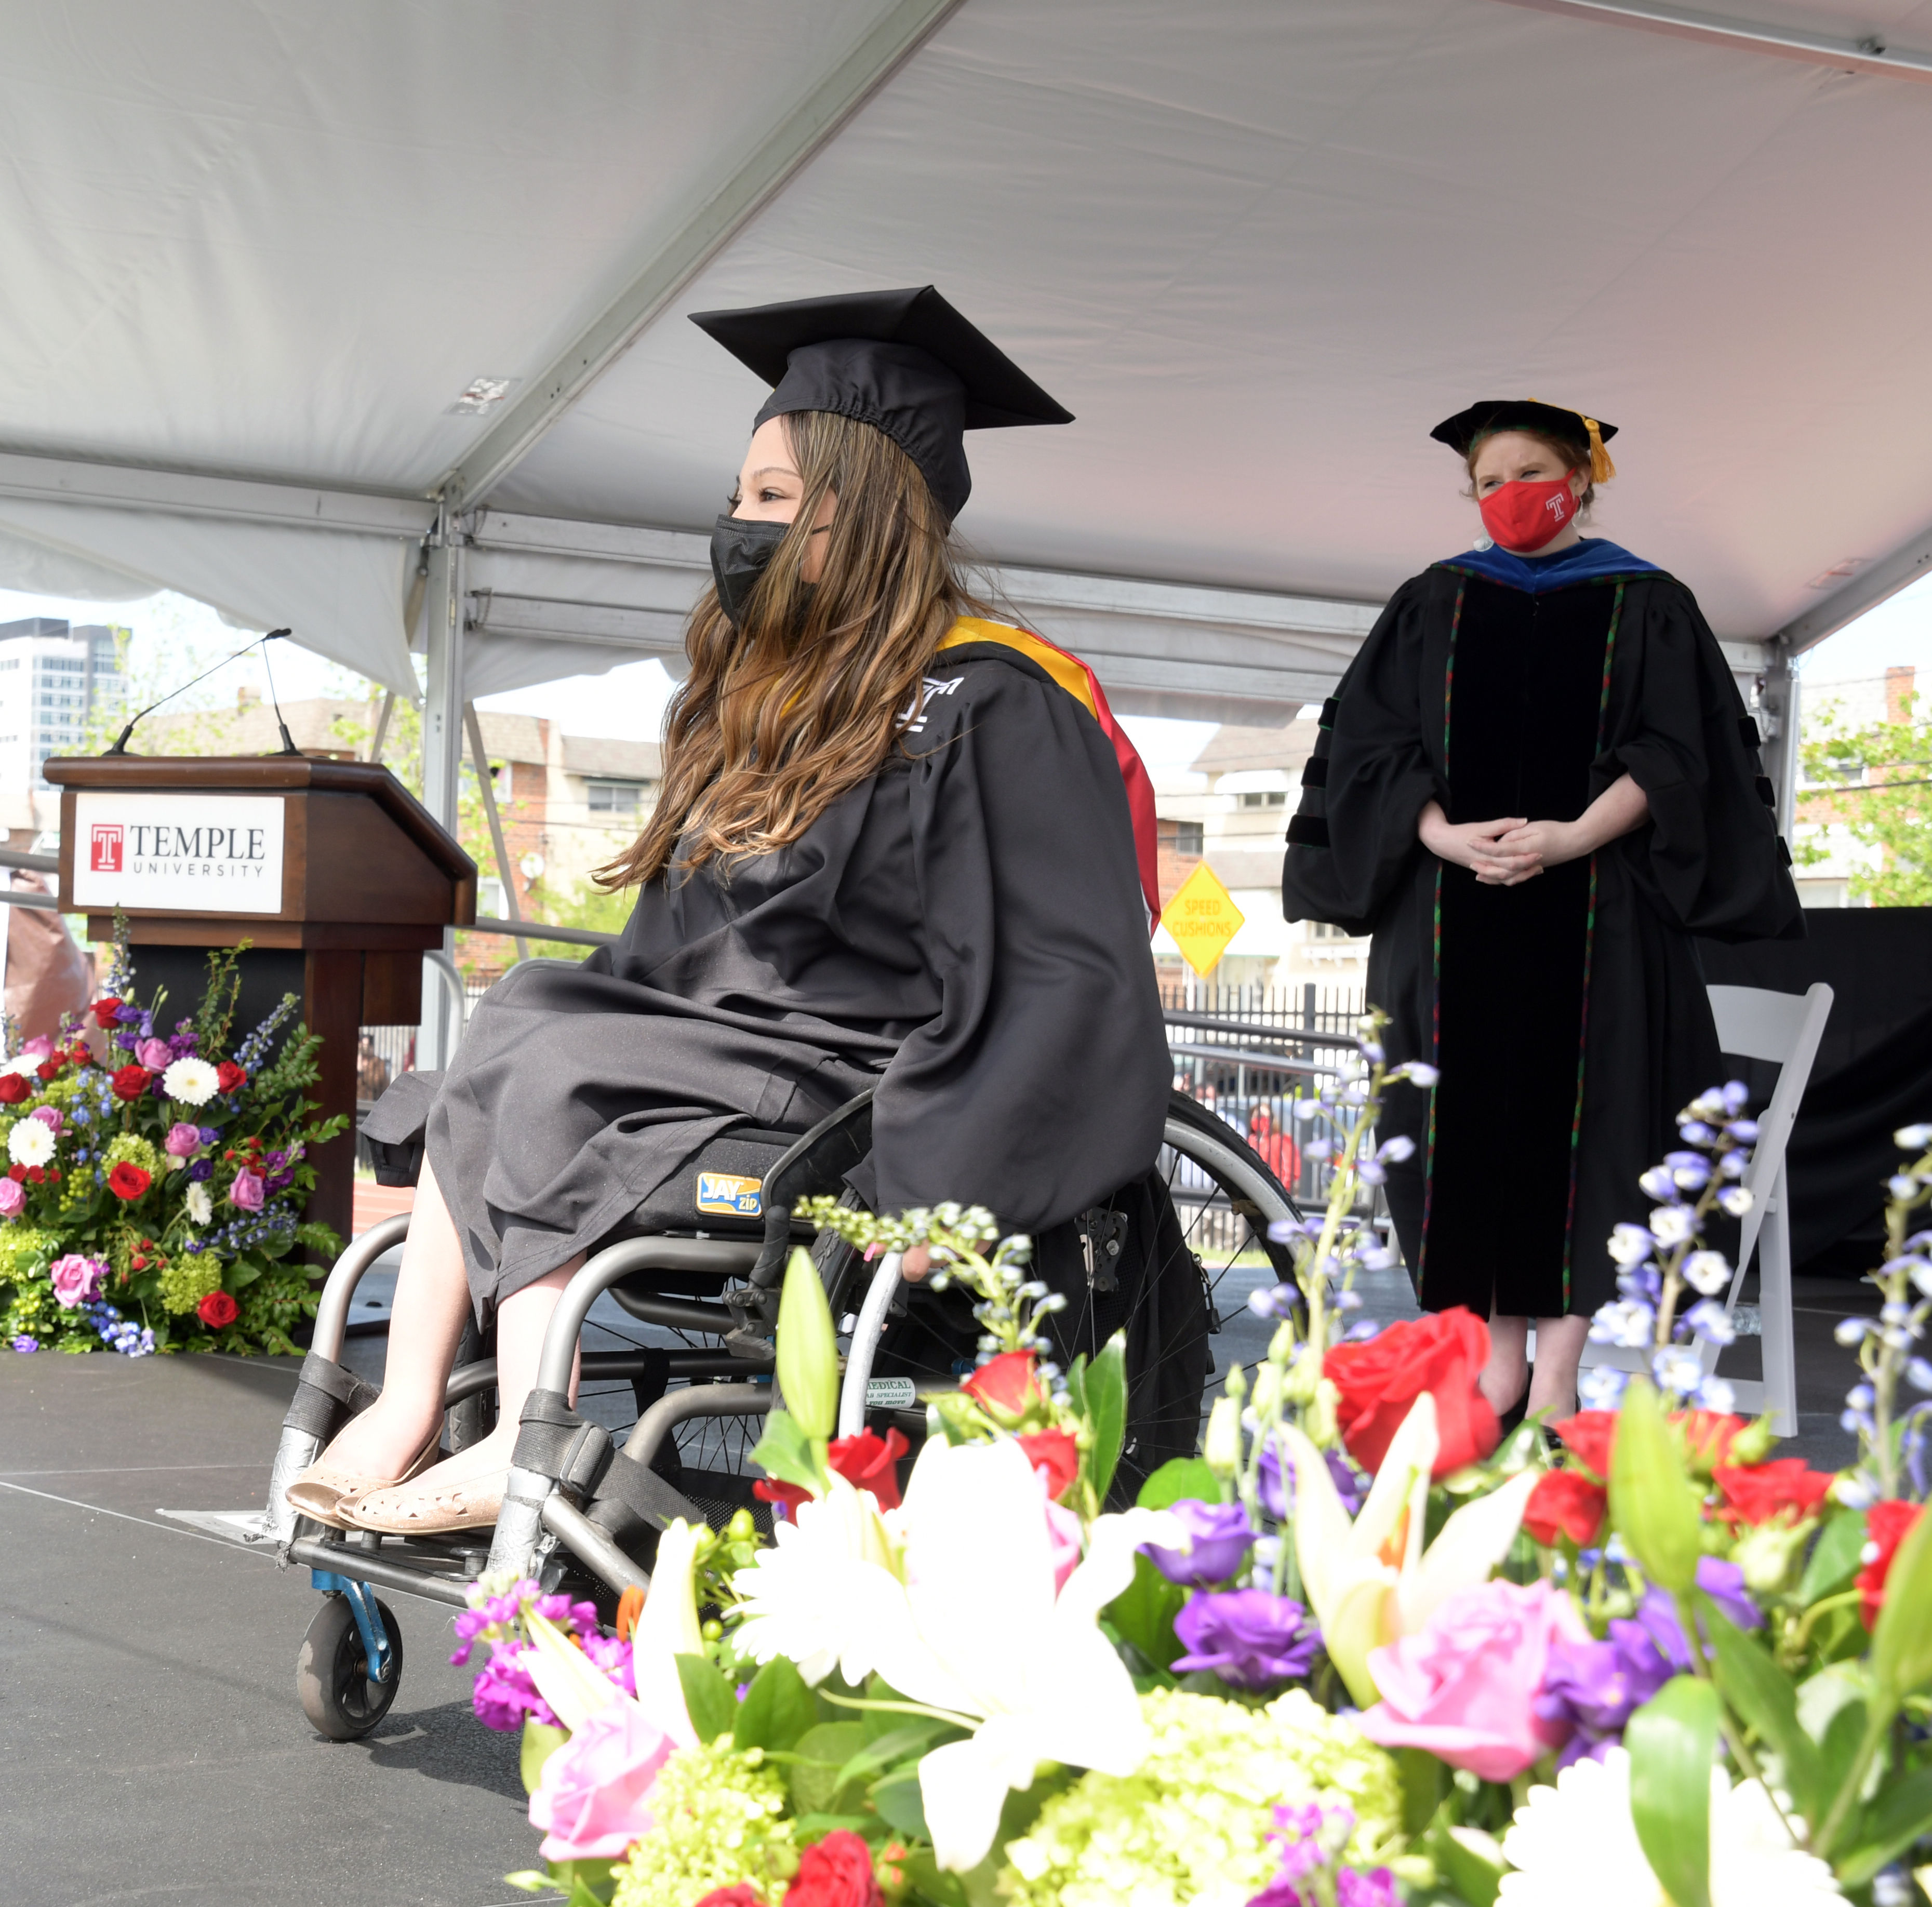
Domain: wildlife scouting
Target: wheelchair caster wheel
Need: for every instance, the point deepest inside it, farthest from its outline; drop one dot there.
(332, 1671)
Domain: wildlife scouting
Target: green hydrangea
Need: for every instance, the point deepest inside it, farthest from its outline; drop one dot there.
(1189, 1829)
(720, 1814)
(188, 1279)
(26, 1253)
(136, 1150)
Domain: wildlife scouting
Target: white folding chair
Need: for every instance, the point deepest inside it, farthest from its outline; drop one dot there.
(1785, 1028)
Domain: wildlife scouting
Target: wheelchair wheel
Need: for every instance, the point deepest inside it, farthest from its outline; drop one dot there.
(1169, 1260)
(332, 1671)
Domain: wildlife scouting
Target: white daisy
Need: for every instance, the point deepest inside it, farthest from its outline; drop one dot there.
(192, 1081)
(30, 1143)
(27, 1064)
(1576, 1846)
(200, 1205)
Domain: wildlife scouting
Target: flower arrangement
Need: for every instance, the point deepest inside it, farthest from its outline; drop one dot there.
(1363, 1648)
(154, 1188)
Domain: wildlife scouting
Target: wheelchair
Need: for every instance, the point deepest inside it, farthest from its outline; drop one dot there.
(702, 1261)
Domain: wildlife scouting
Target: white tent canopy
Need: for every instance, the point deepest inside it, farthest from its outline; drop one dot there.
(258, 249)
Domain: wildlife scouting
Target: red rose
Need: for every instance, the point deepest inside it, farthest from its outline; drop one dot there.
(868, 1462)
(79, 1055)
(1379, 1380)
(1760, 1493)
(49, 1068)
(127, 1181)
(1887, 1525)
(14, 1088)
(743, 1895)
(1588, 1437)
(18, 1173)
(1708, 1436)
(837, 1872)
(131, 1082)
(36, 1175)
(228, 1078)
(769, 1489)
(217, 1310)
(1056, 1452)
(1007, 1386)
(1565, 1502)
(106, 1010)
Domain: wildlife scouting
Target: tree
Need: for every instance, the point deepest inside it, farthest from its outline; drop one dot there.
(1875, 782)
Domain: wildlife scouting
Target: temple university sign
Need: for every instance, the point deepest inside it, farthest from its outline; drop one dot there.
(187, 853)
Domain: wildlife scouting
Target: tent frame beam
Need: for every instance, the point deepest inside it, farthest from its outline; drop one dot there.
(727, 205)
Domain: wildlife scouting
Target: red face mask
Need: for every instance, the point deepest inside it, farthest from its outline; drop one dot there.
(1523, 516)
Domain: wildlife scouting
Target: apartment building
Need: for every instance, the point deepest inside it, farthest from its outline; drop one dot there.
(56, 682)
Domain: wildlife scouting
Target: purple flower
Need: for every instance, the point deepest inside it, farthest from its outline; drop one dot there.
(128, 1016)
(1350, 1485)
(1595, 1687)
(200, 1170)
(277, 1182)
(23, 1343)
(1221, 1537)
(1723, 1583)
(1373, 1890)
(1248, 1638)
(208, 1134)
(504, 1696)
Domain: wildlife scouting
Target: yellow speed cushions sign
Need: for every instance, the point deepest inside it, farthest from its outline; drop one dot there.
(1203, 918)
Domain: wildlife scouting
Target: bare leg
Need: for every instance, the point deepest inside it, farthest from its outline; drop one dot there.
(1559, 1350)
(1507, 1371)
(425, 1327)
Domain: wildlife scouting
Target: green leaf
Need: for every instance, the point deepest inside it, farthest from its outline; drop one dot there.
(786, 1453)
(1470, 1861)
(1673, 1740)
(541, 1741)
(711, 1701)
(880, 1753)
(529, 1880)
(777, 1708)
(929, 1883)
(823, 1751)
(1143, 1613)
(1424, 1781)
(808, 1349)
(1651, 1502)
(1833, 1560)
(1177, 1478)
(1901, 1655)
(1899, 1813)
(1767, 1700)
(1106, 1393)
(899, 1805)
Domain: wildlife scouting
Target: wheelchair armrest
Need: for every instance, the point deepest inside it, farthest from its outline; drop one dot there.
(816, 1162)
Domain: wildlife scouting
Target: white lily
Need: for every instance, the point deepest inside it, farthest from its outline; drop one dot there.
(564, 1676)
(978, 1631)
(1370, 1580)
(666, 1629)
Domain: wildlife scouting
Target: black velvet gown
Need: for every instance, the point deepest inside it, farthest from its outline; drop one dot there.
(1567, 1016)
(964, 930)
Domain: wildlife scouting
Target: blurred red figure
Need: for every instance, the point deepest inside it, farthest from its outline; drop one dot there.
(1279, 1151)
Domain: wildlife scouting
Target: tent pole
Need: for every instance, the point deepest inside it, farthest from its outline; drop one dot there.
(512, 906)
(1782, 737)
(443, 735)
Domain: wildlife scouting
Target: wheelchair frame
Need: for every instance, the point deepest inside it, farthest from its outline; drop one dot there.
(572, 1493)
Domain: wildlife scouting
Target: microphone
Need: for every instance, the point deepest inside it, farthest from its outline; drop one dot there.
(120, 746)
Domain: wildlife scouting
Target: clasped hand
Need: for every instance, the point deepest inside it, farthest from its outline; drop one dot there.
(1500, 853)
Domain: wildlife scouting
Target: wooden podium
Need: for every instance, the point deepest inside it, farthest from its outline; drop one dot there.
(332, 870)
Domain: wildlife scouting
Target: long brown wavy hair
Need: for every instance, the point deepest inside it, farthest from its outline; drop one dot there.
(777, 720)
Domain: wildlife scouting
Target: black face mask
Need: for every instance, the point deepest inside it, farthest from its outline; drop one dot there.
(740, 551)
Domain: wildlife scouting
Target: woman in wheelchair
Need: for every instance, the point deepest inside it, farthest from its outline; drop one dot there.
(897, 845)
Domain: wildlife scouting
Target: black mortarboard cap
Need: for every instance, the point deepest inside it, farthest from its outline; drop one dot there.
(904, 361)
(1495, 414)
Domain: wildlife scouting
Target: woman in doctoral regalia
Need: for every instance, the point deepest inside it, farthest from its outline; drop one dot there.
(895, 846)
(1535, 784)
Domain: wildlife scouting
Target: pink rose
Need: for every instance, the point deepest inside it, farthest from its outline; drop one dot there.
(51, 1117)
(156, 1055)
(40, 1045)
(1465, 1687)
(13, 1198)
(183, 1140)
(246, 1191)
(76, 1279)
(590, 1800)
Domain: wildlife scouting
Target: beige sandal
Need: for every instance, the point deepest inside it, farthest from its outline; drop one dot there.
(323, 1489)
(397, 1511)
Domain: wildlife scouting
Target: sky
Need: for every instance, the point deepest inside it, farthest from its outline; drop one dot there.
(174, 638)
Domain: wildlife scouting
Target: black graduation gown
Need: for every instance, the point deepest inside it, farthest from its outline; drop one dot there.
(1567, 1016)
(964, 930)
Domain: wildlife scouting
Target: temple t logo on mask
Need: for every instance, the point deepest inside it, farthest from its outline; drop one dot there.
(741, 549)
(1524, 516)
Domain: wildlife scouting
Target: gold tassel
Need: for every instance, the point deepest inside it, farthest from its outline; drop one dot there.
(1601, 469)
